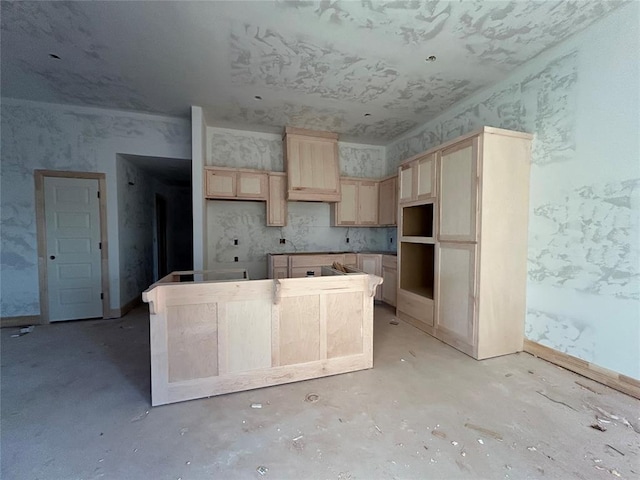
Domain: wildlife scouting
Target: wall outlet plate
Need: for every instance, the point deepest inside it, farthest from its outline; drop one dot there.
(282, 240)
(235, 259)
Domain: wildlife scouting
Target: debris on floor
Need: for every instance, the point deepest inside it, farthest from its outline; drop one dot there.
(394, 322)
(618, 418)
(262, 470)
(311, 397)
(614, 449)
(597, 426)
(586, 387)
(142, 416)
(439, 434)
(555, 401)
(298, 438)
(256, 405)
(485, 431)
(378, 428)
(23, 331)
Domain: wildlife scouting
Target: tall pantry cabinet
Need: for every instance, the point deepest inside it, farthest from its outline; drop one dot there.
(479, 270)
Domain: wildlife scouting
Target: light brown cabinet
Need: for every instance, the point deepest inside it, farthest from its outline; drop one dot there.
(229, 183)
(463, 279)
(359, 203)
(390, 279)
(417, 179)
(277, 202)
(388, 201)
(371, 263)
(312, 165)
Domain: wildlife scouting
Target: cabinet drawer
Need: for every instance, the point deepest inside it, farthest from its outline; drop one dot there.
(389, 261)
(418, 307)
(305, 272)
(301, 261)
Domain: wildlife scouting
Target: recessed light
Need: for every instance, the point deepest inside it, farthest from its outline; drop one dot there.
(430, 58)
(367, 114)
(53, 55)
(258, 97)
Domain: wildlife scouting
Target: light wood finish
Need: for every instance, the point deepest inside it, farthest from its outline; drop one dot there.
(416, 306)
(481, 243)
(350, 259)
(368, 203)
(418, 179)
(220, 183)
(388, 201)
(251, 185)
(277, 201)
(359, 203)
(425, 183)
(311, 162)
(458, 192)
(211, 338)
(390, 279)
(39, 176)
(617, 381)
(345, 212)
(456, 284)
(235, 183)
(371, 263)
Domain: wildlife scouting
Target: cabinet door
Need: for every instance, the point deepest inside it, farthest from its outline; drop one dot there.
(312, 166)
(406, 178)
(371, 264)
(458, 192)
(456, 295)
(389, 285)
(346, 210)
(388, 202)
(220, 184)
(426, 173)
(368, 203)
(251, 185)
(277, 203)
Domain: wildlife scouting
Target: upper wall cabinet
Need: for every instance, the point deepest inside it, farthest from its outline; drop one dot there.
(359, 204)
(277, 203)
(311, 162)
(388, 201)
(418, 179)
(231, 183)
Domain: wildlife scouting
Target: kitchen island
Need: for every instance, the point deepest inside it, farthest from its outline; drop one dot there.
(210, 337)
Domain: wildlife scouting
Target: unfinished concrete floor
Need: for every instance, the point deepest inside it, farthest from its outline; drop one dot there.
(76, 405)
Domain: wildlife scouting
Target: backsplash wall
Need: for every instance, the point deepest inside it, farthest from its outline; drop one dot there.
(308, 226)
(583, 292)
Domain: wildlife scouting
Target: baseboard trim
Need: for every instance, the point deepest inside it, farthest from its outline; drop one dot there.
(22, 321)
(126, 308)
(612, 379)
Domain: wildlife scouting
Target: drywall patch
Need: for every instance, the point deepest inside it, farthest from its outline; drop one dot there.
(590, 241)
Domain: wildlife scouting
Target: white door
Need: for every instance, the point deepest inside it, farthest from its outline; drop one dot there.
(72, 222)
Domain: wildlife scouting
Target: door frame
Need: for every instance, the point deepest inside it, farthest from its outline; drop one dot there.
(41, 230)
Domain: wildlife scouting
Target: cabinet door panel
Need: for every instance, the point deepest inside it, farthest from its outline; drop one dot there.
(406, 183)
(220, 184)
(458, 193)
(387, 202)
(426, 170)
(251, 185)
(456, 291)
(371, 264)
(347, 208)
(389, 285)
(276, 203)
(368, 203)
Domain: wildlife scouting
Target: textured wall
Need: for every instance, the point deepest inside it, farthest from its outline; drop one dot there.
(583, 291)
(308, 227)
(44, 136)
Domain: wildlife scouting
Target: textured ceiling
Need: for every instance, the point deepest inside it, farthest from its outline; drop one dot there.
(316, 64)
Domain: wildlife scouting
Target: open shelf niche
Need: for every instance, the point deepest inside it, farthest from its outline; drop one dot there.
(417, 268)
(417, 221)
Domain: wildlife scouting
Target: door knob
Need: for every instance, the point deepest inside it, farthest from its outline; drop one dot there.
(52, 257)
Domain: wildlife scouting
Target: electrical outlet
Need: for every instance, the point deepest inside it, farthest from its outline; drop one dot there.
(235, 241)
(347, 239)
(235, 259)
(282, 240)
(390, 239)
